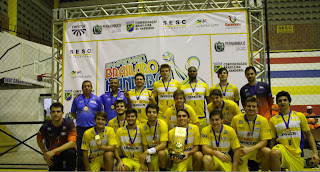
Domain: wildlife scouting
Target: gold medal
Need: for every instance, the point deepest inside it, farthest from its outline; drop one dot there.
(254, 96)
(288, 131)
(112, 106)
(166, 93)
(97, 137)
(193, 94)
(85, 108)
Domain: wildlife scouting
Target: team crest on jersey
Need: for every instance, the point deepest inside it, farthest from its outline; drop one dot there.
(258, 122)
(225, 132)
(227, 107)
(240, 122)
(145, 127)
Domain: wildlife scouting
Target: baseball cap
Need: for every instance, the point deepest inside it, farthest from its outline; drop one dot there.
(309, 107)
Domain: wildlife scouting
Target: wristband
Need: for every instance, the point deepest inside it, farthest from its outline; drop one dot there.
(148, 159)
(152, 151)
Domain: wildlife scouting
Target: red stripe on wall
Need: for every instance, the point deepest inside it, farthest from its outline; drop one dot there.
(294, 60)
(303, 108)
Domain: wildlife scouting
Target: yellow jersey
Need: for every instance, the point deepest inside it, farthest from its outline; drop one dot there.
(290, 138)
(139, 101)
(152, 136)
(195, 94)
(230, 91)
(89, 142)
(170, 115)
(229, 110)
(228, 139)
(164, 92)
(246, 134)
(193, 137)
(130, 142)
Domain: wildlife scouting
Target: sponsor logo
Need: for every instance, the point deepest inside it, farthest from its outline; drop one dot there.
(97, 29)
(145, 25)
(68, 95)
(174, 24)
(236, 67)
(233, 23)
(78, 74)
(219, 46)
(204, 23)
(130, 26)
(80, 53)
(78, 30)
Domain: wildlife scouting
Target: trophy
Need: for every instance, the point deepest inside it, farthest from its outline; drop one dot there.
(179, 142)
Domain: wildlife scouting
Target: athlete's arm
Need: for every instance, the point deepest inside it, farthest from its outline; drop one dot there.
(127, 96)
(43, 149)
(121, 165)
(142, 159)
(259, 145)
(86, 160)
(108, 147)
(191, 152)
(312, 143)
(236, 159)
(207, 151)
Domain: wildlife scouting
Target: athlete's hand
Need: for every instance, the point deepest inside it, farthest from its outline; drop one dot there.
(48, 156)
(121, 166)
(245, 150)
(143, 167)
(151, 98)
(315, 158)
(223, 157)
(143, 157)
(186, 155)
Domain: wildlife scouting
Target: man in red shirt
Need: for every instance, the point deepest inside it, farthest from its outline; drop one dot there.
(62, 136)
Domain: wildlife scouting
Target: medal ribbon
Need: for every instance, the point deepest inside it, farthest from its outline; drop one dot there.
(193, 89)
(186, 141)
(224, 92)
(254, 122)
(223, 103)
(287, 123)
(135, 136)
(215, 137)
(139, 94)
(124, 122)
(87, 102)
(255, 89)
(95, 129)
(155, 130)
(166, 88)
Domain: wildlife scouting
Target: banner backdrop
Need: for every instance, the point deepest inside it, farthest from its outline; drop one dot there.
(100, 49)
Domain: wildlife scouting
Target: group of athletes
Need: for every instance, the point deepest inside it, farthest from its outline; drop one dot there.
(137, 128)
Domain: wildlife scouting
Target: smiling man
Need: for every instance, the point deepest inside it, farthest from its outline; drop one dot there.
(253, 131)
(109, 98)
(163, 89)
(120, 120)
(61, 134)
(260, 90)
(154, 134)
(98, 145)
(228, 108)
(83, 109)
(192, 156)
(196, 94)
(286, 129)
(170, 115)
(130, 143)
(139, 98)
(229, 91)
(217, 140)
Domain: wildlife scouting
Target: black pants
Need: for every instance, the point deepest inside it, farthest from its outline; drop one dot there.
(65, 161)
(80, 132)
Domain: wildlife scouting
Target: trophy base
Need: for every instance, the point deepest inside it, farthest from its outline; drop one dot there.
(179, 156)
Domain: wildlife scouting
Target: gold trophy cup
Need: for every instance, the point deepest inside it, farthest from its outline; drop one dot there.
(178, 143)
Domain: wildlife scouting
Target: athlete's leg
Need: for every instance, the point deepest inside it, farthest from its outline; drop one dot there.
(275, 160)
(162, 159)
(108, 161)
(208, 163)
(264, 156)
(197, 161)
